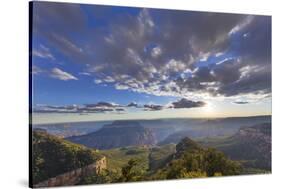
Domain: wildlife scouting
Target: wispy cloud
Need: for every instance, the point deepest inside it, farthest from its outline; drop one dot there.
(61, 75)
(36, 70)
(43, 52)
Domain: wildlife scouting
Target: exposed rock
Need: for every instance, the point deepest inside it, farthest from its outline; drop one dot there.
(73, 177)
(115, 135)
(251, 143)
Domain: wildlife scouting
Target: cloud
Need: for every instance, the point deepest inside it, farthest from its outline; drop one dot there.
(97, 81)
(241, 102)
(43, 52)
(153, 107)
(100, 107)
(184, 103)
(55, 109)
(156, 52)
(61, 75)
(120, 109)
(109, 107)
(132, 104)
(36, 70)
(196, 54)
(84, 73)
(102, 104)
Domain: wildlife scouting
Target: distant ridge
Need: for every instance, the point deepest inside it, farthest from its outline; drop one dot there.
(115, 135)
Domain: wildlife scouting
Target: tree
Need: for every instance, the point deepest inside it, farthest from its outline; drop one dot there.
(131, 172)
(105, 176)
(200, 163)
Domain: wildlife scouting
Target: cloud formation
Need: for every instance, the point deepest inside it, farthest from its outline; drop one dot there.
(184, 103)
(108, 107)
(43, 52)
(164, 52)
(100, 107)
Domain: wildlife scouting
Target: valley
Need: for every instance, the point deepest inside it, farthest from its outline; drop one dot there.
(160, 149)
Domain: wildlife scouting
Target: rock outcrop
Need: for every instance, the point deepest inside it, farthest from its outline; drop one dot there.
(115, 135)
(252, 144)
(73, 177)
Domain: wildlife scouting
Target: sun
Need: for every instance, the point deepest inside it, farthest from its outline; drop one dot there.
(209, 108)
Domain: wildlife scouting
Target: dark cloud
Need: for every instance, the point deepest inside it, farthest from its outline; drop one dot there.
(241, 102)
(153, 107)
(185, 103)
(95, 110)
(120, 109)
(60, 24)
(132, 104)
(102, 104)
(253, 82)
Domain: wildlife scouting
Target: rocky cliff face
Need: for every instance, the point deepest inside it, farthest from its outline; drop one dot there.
(115, 135)
(56, 162)
(73, 177)
(253, 144)
(261, 132)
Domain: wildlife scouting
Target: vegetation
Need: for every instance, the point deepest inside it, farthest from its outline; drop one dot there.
(132, 172)
(252, 149)
(193, 161)
(189, 161)
(207, 157)
(159, 156)
(53, 156)
(106, 176)
(119, 157)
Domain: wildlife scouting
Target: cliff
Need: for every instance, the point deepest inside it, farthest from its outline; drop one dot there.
(252, 144)
(58, 162)
(73, 177)
(116, 135)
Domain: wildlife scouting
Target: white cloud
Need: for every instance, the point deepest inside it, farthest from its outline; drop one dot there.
(109, 79)
(242, 24)
(175, 66)
(156, 52)
(84, 73)
(43, 52)
(61, 75)
(121, 87)
(36, 70)
(133, 57)
(98, 81)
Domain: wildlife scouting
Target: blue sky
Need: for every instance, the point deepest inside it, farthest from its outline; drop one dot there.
(162, 60)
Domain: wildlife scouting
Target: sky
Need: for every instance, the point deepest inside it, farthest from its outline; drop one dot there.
(94, 62)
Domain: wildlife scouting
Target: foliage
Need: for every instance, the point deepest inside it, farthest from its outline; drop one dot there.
(105, 176)
(189, 161)
(159, 156)
(201, 163)
(131, 172)
(52, 156)
(119, 157)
